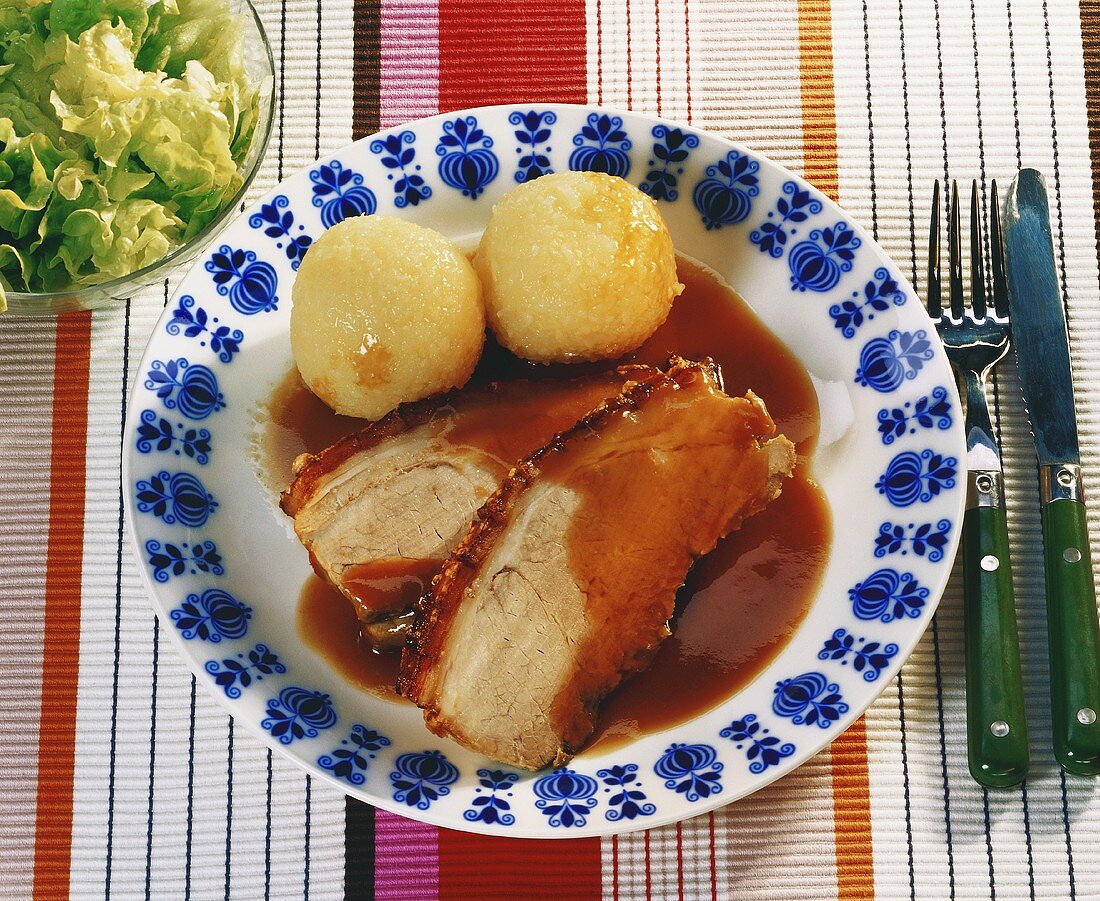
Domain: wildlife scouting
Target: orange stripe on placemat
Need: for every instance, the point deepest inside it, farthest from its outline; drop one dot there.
(855, 866)
(815, 48)
(61, 644)
(855, 869)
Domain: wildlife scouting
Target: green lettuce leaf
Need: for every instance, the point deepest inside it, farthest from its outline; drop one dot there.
(123, 124)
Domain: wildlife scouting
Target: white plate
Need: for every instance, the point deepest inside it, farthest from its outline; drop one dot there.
(223, 568)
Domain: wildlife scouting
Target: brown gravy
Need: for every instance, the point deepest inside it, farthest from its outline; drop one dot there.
(328, 623)
(383, 586)
(746, 597)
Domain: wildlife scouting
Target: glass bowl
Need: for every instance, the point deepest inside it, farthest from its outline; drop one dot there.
(260, 64)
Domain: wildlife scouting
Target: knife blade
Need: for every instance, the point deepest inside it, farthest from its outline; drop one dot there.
(1039, 329)
(1041, 340)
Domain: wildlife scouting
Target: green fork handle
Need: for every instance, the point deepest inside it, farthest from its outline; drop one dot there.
(997, 740)
(1071, 623)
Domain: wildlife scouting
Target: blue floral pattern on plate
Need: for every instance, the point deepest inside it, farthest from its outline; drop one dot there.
(184, 386)
(723, 203)
(419, 779)
(277, 222)
(762, 750)
(878, 294)
(566, 797)
(533, 133)
(627, 801)
(339, 193)
(176, 497)
(350, 759)
(817, 263)
(693, 771)
(923, 539)
(884, 363)
(398, 154)
(493, 807)
(167, 560)
(928, 411)
(794, 208)
(298, 713)
(158, 434)
(212, 615)
(808, 700)
(194, 322)
(466, 162)
(671, 149)
(602, 146)
(913, 477)
(231, 674)
(724, 197)
(868, 657)
(249, 283)
(888, 595)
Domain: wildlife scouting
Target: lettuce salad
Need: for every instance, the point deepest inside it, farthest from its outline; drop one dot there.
(123, 124)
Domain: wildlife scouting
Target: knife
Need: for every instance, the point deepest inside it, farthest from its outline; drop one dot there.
(1041, 341)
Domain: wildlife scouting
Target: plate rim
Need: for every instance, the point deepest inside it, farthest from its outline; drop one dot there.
(811, 744)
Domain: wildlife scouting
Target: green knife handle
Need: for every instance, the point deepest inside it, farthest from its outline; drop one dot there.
(995, 721)
(1072, 630)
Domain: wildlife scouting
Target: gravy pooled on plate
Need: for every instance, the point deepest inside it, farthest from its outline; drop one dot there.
(742, 601)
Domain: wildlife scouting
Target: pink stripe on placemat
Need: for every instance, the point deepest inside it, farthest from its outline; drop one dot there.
(410, 61)
(406, 858)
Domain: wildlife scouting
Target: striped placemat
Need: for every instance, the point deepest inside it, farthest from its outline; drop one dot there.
(119, 779)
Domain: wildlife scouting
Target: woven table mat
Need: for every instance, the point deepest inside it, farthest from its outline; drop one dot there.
(119, 779)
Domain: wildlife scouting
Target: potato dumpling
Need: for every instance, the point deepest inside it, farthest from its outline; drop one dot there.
(384, 312)
(576, 266)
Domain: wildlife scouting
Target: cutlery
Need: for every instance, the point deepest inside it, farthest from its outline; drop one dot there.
(976, 339)
(1042, 352)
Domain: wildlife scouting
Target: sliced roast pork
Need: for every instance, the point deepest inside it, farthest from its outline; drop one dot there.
(381, 509)
(567, 579)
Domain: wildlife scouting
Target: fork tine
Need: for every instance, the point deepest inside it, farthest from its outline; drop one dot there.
(977, 263)
(954, 252)
(933, 288)
(1000, 282)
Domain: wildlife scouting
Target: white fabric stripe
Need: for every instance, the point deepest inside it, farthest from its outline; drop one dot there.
(210, 790)
(97, 610)
(26, 372)
(744, 75)
(1006, 809)
(1084, 324)
(779, 841)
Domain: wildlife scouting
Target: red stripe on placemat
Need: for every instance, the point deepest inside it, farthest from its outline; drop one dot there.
(502, 51)
(480, 866)
(61, 619)
(510, 51)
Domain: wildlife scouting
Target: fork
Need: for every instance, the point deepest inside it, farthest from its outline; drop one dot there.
(976, 339)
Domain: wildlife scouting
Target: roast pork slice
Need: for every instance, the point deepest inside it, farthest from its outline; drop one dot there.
(567, 579)
(402, 491)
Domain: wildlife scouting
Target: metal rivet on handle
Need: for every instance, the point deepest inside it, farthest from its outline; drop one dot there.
(1071, 555)
(984, 483)
(990, 563)
(999, 728)
(1065, 478)
(1086, 716)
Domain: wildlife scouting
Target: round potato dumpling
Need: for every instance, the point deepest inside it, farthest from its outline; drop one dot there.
(384, 312)
(576, 266)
